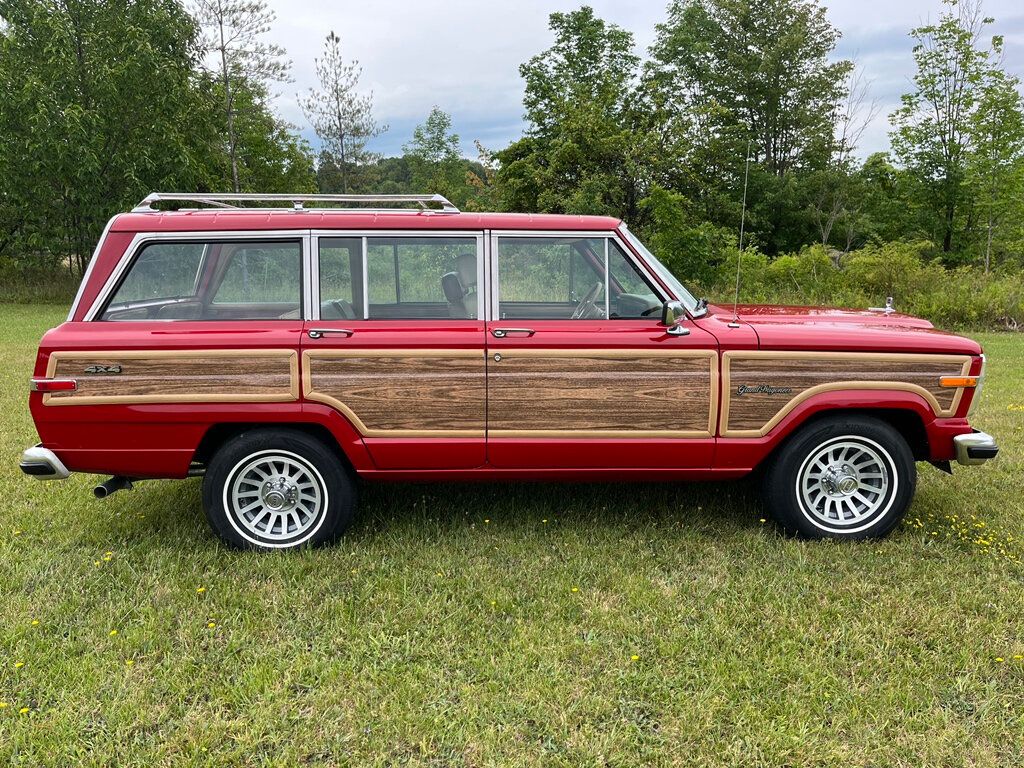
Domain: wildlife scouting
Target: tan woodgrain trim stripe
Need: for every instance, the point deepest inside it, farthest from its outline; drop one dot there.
(600, 434)
(613, 354)
(964, 361)
(177, 354)
(321, 397)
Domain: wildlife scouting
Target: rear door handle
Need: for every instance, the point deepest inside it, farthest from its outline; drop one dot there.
(316, 333)
(500, 333)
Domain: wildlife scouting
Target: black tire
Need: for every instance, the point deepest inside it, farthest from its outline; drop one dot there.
(807, 486)
(299, 489)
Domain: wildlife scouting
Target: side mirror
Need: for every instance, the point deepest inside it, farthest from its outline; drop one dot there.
(673, 314)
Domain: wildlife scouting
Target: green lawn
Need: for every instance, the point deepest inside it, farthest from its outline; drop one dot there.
(512, 624)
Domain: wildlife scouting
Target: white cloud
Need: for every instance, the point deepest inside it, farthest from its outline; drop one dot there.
(464, 56)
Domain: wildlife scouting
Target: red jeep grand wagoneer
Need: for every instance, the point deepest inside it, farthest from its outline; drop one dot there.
(280, 352)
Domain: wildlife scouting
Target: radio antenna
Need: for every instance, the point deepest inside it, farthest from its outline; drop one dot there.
(739, 255)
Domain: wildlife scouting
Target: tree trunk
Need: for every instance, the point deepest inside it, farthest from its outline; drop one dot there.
(228, 107)
(988, 245)
(947, 237)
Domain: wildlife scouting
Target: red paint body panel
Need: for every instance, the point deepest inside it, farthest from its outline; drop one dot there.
(160, 440)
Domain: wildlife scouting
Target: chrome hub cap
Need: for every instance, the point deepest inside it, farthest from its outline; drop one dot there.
(846, 483)
(275, 497)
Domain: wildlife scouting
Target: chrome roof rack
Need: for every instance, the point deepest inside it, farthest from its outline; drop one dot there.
(218, 200)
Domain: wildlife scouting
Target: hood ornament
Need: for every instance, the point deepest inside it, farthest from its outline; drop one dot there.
(887, 309)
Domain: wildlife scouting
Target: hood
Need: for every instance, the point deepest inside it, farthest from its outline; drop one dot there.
(832, 329)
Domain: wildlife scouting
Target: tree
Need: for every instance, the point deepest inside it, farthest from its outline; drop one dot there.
(588, 147)
(233, 30)
(729, 74)
(759, 71)
(995, 168)
(341, 117)
(433, 155)
(86, 126)
(932, 128)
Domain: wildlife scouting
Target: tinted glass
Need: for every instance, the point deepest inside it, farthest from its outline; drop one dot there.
(162, 271)
(420, 278)
(341, 278)
(211, 281)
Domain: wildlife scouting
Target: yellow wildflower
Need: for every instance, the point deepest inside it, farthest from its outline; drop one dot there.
(200, 590)
(113, 632)
(575, 589)
(211, 624)
(19, 664)
(634, 657)
(24, 710)
(129, 662)
(35, 622)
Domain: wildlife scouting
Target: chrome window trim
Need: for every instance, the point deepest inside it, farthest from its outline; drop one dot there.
(604, 234)
(366, 234)
(88, 269)
(141, 239)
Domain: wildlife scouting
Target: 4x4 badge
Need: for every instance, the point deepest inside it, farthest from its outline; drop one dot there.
(103, 369)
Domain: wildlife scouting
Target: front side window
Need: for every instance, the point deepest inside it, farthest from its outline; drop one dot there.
(211, 281)
(406, 278)
(569, 278)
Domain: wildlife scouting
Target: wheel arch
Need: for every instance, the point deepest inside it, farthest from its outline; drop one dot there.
(909, 413)
(322, 423)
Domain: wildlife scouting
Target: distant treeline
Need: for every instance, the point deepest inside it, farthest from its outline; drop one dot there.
(101, 103)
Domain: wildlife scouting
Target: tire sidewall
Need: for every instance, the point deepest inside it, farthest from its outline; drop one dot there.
(335, 486)
(782, 481)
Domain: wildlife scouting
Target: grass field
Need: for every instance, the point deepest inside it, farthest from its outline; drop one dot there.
(512, 624)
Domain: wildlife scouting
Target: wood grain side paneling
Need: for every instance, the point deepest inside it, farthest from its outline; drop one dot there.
(786, 379)
(603, 393)
(178, 376)
(402, 393)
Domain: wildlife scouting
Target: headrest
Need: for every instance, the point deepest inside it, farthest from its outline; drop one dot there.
(466, 265)
(452, 287)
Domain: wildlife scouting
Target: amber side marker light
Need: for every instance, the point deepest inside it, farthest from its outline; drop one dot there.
(958, 381)
(53, 385)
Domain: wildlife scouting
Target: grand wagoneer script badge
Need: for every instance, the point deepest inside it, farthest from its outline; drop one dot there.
(103, 369)
(763, 389)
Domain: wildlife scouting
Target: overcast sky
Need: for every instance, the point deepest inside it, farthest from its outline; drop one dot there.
(464, 55)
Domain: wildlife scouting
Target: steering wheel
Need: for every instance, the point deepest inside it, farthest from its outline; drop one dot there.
(586, 304)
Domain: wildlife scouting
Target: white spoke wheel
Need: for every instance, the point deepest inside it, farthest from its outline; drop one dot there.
(842, 477)
(277, 489)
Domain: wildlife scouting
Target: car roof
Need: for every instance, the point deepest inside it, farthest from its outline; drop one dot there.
(255, 219)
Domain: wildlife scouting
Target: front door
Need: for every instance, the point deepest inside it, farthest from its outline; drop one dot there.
(581, 374)
(396, 344)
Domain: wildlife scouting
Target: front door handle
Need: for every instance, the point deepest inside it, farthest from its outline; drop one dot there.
(501, 333)
(316, 333)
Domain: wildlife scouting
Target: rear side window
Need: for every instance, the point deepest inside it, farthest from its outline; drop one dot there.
(402, 277)
(215, 280)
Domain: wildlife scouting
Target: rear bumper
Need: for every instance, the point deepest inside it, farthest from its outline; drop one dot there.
(42, 464)
(975, 448)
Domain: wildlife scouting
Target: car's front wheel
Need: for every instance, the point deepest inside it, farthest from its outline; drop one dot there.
(843, 477)
(277, 489)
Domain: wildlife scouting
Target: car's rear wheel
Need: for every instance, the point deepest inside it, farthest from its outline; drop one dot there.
(844, 477)
(277, 489)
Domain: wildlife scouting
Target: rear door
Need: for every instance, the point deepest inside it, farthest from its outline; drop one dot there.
(581, 374)
(395, 342)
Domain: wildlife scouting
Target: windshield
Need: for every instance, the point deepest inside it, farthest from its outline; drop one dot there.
(662, 271)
